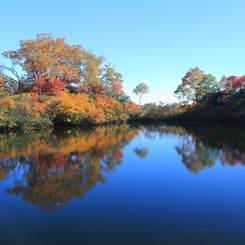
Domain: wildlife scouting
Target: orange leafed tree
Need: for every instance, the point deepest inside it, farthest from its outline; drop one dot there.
(48, 57)
(48, 62)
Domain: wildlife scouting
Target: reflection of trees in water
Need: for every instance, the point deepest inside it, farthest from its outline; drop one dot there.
(49, 168)
(195, 155)
(224, 142)
(62, 166)
(141, 152)
(232, 158)
(201, 146)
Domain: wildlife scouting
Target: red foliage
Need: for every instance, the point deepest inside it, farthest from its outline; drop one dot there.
(50, 86)
(117, 86)
(232, 78)
(82, 88)
(98, 89)
(237, 82)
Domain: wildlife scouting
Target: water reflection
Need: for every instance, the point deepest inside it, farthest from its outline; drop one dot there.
(195, 155)
(141, 152)
(47, 168)
(201, 146)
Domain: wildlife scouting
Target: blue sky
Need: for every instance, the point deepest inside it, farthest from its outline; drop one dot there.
(149, 41)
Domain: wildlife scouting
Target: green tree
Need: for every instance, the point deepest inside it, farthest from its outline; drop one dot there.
(112, 81)
(186, 92)
(110, 76)
(207, 86)
(140, 90)
(120, 97)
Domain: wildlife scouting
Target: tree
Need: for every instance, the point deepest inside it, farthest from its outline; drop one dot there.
(3, 83)
(231, 86)
(91, 69)
(53, 86)
(13, 84)
(186, 91)
(47, 61)
(112, 81)
(225, 85)
(206, 87)
(140, 90)
(237, 82)
(45, 56)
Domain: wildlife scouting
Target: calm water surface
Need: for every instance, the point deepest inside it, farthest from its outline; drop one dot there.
(138, 184)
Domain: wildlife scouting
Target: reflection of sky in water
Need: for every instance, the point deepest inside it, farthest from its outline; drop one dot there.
(73, 158)
(15, 175)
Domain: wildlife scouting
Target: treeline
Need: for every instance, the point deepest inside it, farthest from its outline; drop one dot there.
(49, 82)
(202, 99)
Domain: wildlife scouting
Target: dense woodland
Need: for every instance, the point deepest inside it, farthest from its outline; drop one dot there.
(48, 82)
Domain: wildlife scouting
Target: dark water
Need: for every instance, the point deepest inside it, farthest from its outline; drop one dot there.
(154, 184)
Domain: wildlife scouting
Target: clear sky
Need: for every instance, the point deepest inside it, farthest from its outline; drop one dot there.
(151, 41)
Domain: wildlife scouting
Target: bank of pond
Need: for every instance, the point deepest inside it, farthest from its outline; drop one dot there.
(31, 110)
(39, 111)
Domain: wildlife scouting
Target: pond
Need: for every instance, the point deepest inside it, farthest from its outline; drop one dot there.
(123, 184)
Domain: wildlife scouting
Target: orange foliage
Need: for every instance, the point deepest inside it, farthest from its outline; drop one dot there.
(75, 108)
(131, 107)
(49, 57)
(65, 108)
(7, 103)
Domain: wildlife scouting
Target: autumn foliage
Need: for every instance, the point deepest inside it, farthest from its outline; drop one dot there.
(33, 110)
(237, 82)
(52, 67)
(51, 86)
